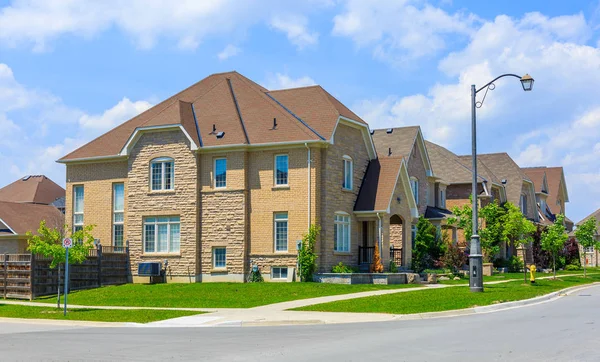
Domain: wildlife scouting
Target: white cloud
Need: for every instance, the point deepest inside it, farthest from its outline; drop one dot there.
(400, 31)
(37, 23)
(295, 27)
(284, 81)
(123, 110)
(228, 52)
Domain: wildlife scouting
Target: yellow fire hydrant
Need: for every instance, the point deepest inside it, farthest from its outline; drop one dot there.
(532, 273)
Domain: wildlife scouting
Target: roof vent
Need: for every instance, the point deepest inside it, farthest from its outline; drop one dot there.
(389, 151)
(274, 123)
(26, 178)
(389, 130)
(372, 132)
(220, 134)
(504, 181)
(214, 129)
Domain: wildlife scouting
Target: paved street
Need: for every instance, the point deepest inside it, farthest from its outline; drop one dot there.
(563, 330)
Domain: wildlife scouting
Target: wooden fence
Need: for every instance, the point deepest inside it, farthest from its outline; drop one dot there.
(27, 276)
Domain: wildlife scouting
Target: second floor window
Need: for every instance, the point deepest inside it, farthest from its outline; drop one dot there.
(414, 185)
(162, 172)
(524, 204)
(77, 208)
(220, 173)
(347, 184)
(281, 170)
(118, 214)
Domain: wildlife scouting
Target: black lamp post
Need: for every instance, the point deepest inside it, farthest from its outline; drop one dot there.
(475, 255)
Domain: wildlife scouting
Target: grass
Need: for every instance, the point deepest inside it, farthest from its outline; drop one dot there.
(437, 300)
(96, 315)
(210, 295)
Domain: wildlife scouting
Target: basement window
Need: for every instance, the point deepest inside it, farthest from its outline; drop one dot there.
(278, 272)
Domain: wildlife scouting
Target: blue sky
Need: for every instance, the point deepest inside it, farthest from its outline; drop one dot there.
(71, 70)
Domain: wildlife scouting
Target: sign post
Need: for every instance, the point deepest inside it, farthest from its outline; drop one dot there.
(67, 243)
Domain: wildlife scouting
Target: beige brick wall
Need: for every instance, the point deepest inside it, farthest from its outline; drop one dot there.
(13, 246)
(416, 169)
(348, 141)
(97, 180)
(182, 201)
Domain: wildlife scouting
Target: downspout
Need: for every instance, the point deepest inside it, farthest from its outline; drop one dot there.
(380, 233)
(308, 165)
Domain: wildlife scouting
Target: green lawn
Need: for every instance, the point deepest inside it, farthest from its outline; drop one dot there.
(519, 276)
(211, 295)
(96, 315)
(436, 300)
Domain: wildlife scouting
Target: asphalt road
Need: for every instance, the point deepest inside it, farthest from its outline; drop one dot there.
(562, 330)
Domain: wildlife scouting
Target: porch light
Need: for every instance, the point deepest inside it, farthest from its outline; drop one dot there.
(527, 82)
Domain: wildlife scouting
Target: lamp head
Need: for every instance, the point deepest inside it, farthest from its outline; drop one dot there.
(527, 82)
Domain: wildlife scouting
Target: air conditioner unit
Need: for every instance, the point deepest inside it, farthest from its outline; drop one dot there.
(150, 269)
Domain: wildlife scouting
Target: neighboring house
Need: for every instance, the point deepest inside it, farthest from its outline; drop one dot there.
(590, 255)
(227, 175)
(558, 195)
(16, 219)
(36, 189)
(455, 172)
(540, 182)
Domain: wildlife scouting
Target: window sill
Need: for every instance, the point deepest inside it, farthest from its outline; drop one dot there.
(152, 255)
(161, 192)
(280, 187)
(346, 253)
(347, 190)
(218, 270)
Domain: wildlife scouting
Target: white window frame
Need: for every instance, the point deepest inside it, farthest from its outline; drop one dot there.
(280, 269)
(214, 257)
(118, 216)
(443, 198)
(78, 225)
(156, 222)
(414, 185)
(348, 169)
(588, 249)
(276, 221)
(215, 172)
(342, 224)
(163, 161)
(287, 171)
(523, 202)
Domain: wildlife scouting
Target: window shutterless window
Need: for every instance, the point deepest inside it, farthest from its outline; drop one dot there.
(220, 173)
(281, 170)
(347, 184)
(219, 258)
(281, 231)
(414, 185)
(162, 234)
(162, 174)
(118, 214)
(77, 208)
(279, 272)
(524, 204)
(341, 233)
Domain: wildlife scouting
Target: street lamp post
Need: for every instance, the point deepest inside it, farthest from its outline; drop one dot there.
(475, 255)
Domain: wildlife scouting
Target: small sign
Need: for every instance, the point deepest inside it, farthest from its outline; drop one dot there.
(67, 243)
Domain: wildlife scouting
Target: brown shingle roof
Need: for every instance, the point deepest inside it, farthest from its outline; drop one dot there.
(536, 175)
(448, 166)
(595, 214)
(555, 178)
(482, 169)
(22, 218)
(503, 166)
(32, 189)
(401, 140)
(378, 184)
(237, 106)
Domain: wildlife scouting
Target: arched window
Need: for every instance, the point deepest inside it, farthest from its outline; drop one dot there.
(341, 232)
(347, 184)
(414, 185)
(162, 174)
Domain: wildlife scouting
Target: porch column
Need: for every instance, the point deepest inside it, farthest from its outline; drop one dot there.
(407, 246)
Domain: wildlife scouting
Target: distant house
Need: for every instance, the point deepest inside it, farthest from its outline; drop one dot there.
(590, 255)
(36, 189)
(556, 184)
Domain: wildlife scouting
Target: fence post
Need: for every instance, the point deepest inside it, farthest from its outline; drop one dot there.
(5, 273)
(32, 277)
(99, 265)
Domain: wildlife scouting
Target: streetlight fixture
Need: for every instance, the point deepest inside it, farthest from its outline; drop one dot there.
(475, 255)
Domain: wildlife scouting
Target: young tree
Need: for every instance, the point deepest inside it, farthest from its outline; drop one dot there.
(554, 238)
(492, 230)
(429, 246)
(307, 258)
(517, 229)
(586, 235)
(463, 218)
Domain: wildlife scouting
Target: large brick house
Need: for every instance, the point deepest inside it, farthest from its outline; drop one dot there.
(227, 175)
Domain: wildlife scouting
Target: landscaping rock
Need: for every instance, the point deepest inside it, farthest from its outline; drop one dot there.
(412, 278)
(443, 278)
(456, 278)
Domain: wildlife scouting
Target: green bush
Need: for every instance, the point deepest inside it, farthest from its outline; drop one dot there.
(573, 267)
(393, 267)
(341, 268)
(307, 258)
(515, 264)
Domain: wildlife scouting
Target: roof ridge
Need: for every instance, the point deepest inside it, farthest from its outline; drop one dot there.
(294, 88)
(237, 108)
(294, 115)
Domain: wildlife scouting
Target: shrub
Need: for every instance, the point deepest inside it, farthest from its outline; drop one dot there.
(573, 267)
(500, 263)
(376, 266)
(341, 268)
(256, 276)
(393, 267)
(454, 258)
(571, 252)
(514, 264)
(429, 246)
(307, 258)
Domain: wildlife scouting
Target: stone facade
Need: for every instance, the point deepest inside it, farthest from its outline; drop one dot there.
(401, 209)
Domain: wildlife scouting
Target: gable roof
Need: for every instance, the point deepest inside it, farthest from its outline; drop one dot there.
(448, 166)
(20, 218)
(237, 109)
(595, 214)
(36, 189)
(555, 178)
(401, 141)
(538, 177)
(379, 183)
(482, 168)
(504, 167)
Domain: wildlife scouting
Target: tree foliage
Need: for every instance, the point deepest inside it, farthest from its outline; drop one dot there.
(307, 258)
(429, 247)
(48, 242)
(586, 236)
(492, 230)
(554, 238)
